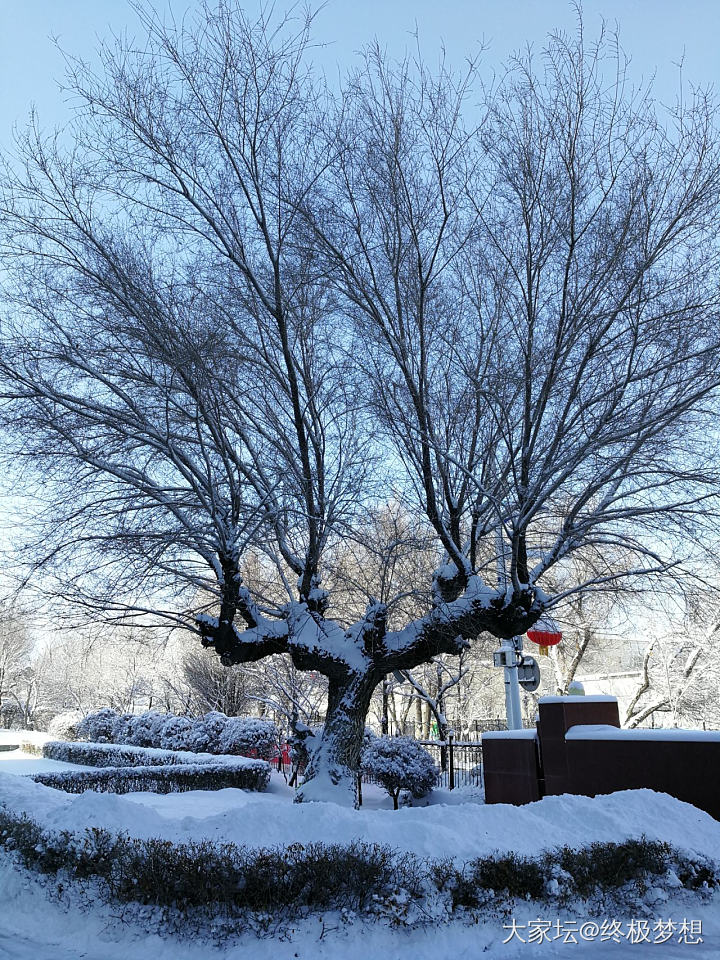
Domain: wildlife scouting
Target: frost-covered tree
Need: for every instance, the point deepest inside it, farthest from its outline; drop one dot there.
(399, 763)
(244, 310)
(16, 670)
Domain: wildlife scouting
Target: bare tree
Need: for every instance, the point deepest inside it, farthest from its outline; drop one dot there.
(680, 667)
(245, 311)
(16, 672)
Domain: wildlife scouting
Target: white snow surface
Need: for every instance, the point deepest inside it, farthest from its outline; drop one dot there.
(601, 731)
(35, 927)
(529, 734)
(580, 699)
(463, 831)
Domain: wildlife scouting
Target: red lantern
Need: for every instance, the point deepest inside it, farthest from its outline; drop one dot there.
(545, 638)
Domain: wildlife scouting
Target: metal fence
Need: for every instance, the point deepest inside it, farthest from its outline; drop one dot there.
(459, 762)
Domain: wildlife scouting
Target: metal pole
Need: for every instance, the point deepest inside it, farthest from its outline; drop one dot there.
(515, 684)
(384, 719)
(513, 709)
(451, 738)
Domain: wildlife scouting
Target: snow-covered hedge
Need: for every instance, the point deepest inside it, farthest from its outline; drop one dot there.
(98, 726)
(146, 729)
(213, 733)
(227, 880)
(207, 732)
(242, 774)
(249, 736)
(123, 727)
(177, 734)
(64, 726)
(399, 763)
(113, 754)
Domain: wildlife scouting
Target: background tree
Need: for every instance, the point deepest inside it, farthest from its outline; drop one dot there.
(16, 673)
(679, 677)
(244, 311)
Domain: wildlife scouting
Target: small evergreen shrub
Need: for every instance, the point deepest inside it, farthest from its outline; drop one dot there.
(613, 864)
(509, 874)
(207, 732)
(212, 733)
(249, 736)
(122, 728)
(64, 726)
(399, 763)
(146, 728)
(177, 734)
(98, 726)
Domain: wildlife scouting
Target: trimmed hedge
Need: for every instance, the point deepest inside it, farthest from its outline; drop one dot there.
(172, 778)
(108, 754)
(213, 733)
(115, 755)
(225, 879)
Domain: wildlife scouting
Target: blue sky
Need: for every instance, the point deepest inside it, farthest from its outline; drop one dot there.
(656, 33)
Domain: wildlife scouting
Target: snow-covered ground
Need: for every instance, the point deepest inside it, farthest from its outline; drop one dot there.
(36, 927)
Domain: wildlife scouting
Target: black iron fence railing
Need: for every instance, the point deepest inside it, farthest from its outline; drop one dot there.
(459, 763)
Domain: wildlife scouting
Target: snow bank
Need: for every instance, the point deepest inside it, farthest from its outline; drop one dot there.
(462, 831)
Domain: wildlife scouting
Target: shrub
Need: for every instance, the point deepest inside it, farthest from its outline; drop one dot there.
(98, 725)
(173, 778)
(399, 763)
(612, 864)
(114, 755)
(508, 874)
(145, 729)
(207, 733)
(225, 878)
(249, 736)
(64, 725)
(221, 877)
(177, 734)
(122, 728)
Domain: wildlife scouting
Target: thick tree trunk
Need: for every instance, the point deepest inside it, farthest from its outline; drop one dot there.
(334, 764)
